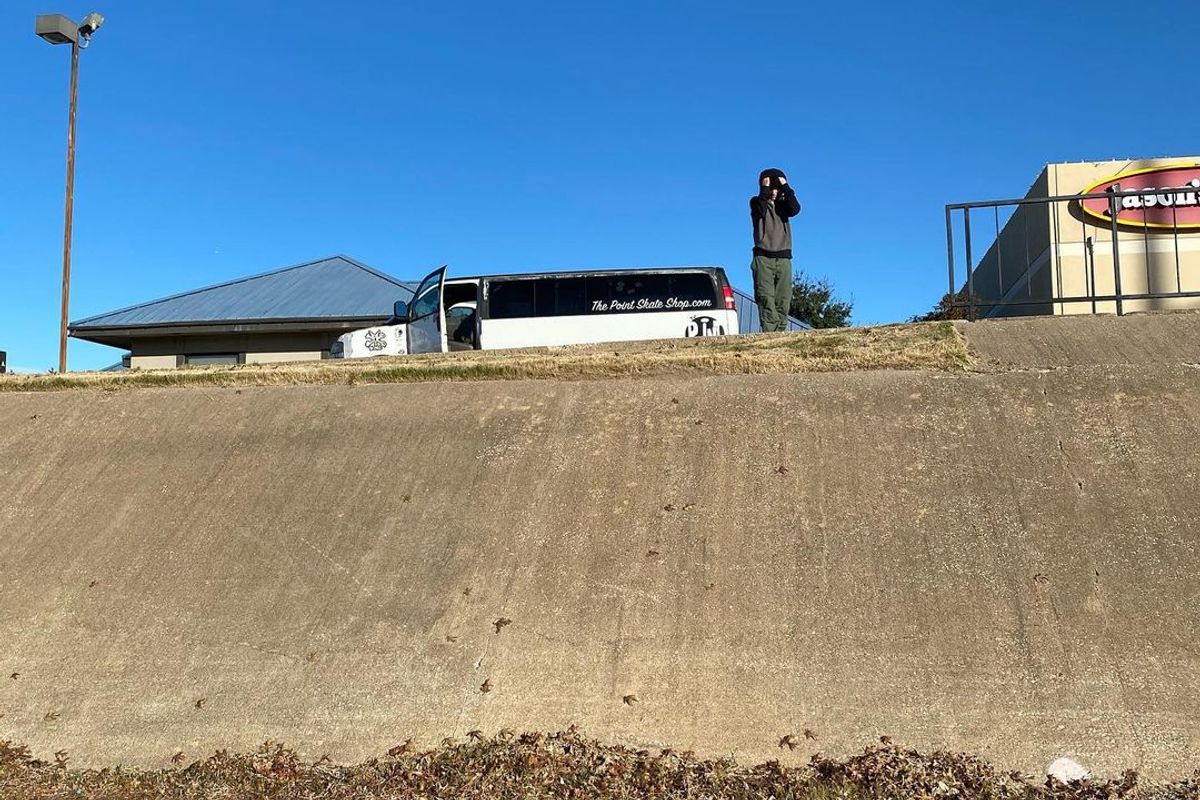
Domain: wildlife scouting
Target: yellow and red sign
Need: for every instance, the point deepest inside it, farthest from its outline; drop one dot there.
(1168, 198)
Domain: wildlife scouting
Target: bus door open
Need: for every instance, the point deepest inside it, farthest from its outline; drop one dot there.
(426, 316)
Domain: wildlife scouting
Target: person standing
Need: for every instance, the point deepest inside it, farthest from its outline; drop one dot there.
(770, 213)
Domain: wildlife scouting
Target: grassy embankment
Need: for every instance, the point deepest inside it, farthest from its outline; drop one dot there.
(936, 346)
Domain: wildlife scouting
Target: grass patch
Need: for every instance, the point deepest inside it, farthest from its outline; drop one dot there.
(562, 765)
(935, 346)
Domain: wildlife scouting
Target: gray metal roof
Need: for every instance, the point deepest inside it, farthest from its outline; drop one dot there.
(331, 288)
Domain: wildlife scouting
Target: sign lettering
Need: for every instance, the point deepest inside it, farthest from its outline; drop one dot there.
(1168, 199)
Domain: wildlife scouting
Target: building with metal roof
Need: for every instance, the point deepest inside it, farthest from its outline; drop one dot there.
(289, 314)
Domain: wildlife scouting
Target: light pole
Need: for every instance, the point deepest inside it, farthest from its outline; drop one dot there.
(57, 29)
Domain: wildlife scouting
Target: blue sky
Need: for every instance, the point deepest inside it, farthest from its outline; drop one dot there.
(224, 138)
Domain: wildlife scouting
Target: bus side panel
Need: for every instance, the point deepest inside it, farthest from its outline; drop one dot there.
(501, 334)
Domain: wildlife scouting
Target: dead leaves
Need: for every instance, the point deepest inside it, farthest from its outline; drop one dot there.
(406, 747)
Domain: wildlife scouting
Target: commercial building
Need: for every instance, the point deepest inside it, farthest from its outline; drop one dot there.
(290, 314)
(1058, 256)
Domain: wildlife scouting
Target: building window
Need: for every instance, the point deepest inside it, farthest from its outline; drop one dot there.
(208, 359)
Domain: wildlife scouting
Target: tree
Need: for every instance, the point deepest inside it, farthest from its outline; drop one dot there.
(813, 302)
(951, 306)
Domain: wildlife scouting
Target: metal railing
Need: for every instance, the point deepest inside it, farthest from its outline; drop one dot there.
(1100, 216)
(748, 319)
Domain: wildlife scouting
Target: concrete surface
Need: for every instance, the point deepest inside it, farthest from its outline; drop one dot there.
(1049, 342)
(1002, 562)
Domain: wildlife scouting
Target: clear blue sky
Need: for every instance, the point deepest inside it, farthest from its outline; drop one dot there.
(222, 138)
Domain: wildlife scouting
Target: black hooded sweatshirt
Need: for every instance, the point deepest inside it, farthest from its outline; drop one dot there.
(770, 218)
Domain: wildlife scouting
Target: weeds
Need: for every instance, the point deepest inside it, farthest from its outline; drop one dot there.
(562, 765)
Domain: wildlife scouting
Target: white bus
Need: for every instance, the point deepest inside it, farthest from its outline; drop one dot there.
(496, 312)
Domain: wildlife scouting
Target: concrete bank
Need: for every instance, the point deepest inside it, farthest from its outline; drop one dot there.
(1004, 563)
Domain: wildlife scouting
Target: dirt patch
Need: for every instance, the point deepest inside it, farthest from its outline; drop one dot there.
(937, 346)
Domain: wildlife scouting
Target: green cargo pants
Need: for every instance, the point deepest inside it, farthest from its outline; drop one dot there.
(772, 291)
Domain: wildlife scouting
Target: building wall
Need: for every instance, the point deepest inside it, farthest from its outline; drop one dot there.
(1013, 268)
(152, 362)
(167, 352)
(1074, 257)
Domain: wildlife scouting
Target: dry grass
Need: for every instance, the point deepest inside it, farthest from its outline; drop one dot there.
(936, 346)
(563, 765)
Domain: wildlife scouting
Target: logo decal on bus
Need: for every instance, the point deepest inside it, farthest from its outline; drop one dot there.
(376, 340)
(704, 326)
(649, 304)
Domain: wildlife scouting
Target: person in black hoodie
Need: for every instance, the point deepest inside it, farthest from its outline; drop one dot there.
(770, 213)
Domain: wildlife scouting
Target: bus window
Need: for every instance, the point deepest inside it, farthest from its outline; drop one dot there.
(511, 299)
(647, 288)
(570, 297)
(696, 289)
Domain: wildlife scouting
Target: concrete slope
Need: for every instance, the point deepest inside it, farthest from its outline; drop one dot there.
(1004, 563)
(1050, 342)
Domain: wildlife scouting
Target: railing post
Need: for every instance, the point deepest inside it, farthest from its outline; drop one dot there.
(950, 251)
(1112, 212)
(970, 266)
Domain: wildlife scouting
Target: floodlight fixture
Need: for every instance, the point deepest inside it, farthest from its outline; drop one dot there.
(91, 23)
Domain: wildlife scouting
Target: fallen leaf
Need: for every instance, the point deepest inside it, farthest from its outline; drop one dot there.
(400, 749)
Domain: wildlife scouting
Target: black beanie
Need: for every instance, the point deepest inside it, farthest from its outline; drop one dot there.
(774, 175)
